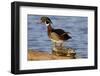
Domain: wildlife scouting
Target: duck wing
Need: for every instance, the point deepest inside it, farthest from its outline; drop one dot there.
(61, 34)
(58, 31)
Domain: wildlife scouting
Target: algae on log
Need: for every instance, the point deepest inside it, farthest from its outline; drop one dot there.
(66, 52)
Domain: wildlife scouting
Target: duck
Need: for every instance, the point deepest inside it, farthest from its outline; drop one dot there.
(57, 36)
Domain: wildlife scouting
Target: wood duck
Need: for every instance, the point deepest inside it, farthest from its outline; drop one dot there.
(57, 36)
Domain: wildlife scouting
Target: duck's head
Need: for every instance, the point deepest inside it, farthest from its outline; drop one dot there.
(46, 20)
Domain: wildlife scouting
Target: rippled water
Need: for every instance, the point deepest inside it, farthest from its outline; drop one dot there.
(77, 26)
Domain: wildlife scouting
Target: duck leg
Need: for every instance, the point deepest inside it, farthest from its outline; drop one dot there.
(61, 45)
(54, 45)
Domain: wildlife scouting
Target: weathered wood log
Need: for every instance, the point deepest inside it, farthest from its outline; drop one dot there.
(40, 55)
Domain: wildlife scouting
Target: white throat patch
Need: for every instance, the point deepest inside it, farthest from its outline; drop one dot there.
(47, 24)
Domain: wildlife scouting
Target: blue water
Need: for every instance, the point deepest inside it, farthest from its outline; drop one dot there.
(76, 25)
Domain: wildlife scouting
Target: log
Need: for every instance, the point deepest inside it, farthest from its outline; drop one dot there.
(41, 55)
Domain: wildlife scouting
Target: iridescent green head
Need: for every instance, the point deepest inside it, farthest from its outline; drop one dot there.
(46, 20)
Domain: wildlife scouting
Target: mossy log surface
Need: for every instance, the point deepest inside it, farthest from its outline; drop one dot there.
(67, 52)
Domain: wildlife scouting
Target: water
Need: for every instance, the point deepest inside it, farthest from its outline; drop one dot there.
(77, 26)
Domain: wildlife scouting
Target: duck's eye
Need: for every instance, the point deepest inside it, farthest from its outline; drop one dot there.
(47, 22)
